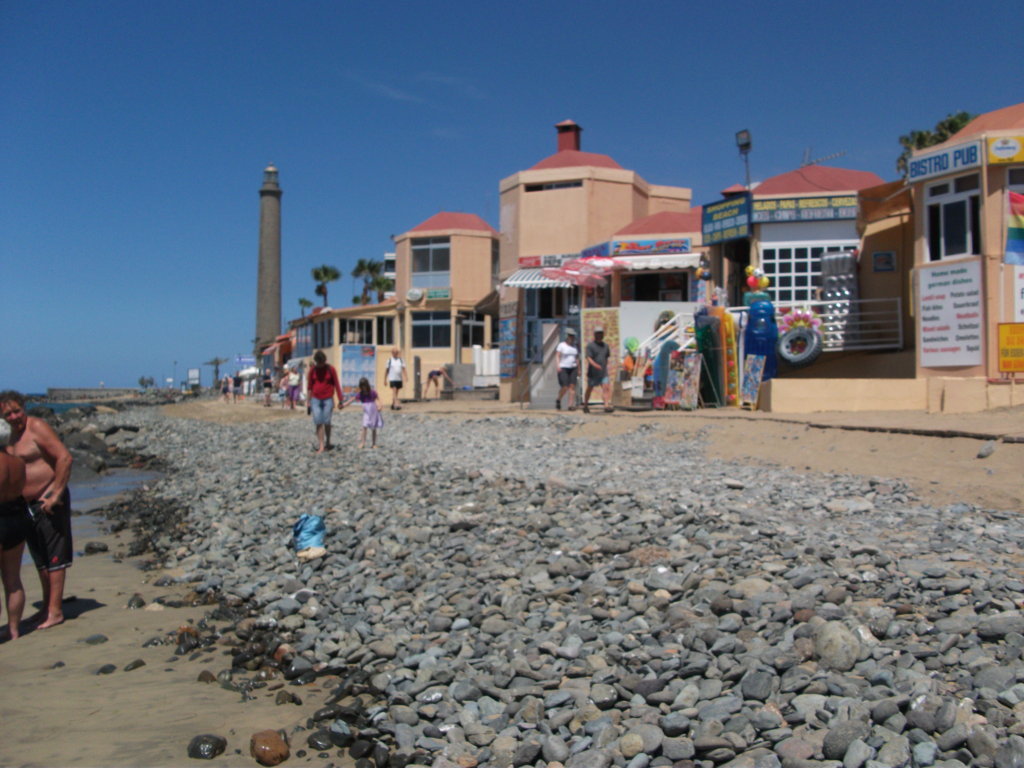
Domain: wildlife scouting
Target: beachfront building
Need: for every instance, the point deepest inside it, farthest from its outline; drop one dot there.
(969, 297)
(551, 214)
(444, 306)
(446, 276)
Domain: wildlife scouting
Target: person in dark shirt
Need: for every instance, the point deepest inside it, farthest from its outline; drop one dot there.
(598, 354)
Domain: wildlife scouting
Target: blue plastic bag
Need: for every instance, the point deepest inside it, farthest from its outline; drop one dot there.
(309, 531)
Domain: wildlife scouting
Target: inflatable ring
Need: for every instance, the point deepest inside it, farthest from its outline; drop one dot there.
(800, 346)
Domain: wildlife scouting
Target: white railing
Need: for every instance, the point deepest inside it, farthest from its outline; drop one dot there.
(852, 324)
(675, 328)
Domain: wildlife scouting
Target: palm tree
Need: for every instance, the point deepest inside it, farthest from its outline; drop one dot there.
(382, 285)
(304, 304)
(216, 362)
(323, 275)
(368, 269)
(943, 131)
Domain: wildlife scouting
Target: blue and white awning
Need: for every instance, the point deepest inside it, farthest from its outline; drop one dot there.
(532, 278)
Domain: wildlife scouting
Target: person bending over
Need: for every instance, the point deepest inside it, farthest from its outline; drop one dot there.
(434, 377)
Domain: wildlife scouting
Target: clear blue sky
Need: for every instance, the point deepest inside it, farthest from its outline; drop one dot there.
(133, 136)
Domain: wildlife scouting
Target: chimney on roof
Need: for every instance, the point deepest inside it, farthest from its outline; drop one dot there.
(568, 135)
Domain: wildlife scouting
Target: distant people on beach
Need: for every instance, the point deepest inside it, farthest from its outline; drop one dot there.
(236, 387)
(396, 377)
(47, 471)
(15, 527)
(372, 418)
(434, 377)
(225, 388)
(323, 385)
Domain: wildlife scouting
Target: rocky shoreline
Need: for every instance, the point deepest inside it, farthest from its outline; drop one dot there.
(500, 592)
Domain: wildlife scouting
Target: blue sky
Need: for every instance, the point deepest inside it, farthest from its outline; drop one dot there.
(133, 136)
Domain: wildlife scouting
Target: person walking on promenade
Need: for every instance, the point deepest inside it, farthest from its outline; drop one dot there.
(396, 377)
(372, 418)
(15, 527)
(268, 386)
(47, 470)
(294, 381)
(434, 377)
(236, 387)
(225, 388)
(323, 385)
(568, 369)
(598, 353)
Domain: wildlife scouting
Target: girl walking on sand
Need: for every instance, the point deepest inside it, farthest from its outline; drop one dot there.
(372, 419)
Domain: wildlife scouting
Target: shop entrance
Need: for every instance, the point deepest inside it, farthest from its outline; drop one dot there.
(737, 259)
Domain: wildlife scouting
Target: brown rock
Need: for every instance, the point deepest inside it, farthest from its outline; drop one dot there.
(269, 747)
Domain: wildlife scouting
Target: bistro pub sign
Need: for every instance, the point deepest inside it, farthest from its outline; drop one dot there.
(949, 160)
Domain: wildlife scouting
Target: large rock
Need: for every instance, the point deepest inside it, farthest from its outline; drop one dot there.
(268, 747)
(836, 647)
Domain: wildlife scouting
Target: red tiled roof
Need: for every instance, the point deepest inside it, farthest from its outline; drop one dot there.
(817, 178)
(666, 222)
(447, 220)
(735, 189)
(575, 158)
(1007, 118)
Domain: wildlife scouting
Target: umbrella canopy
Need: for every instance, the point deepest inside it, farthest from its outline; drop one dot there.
(574, 276)
(594, 265)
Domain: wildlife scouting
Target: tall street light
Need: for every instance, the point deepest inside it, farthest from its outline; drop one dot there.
(743, 143)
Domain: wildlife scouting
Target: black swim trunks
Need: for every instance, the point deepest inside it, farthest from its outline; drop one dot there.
(50, 540)
(15, 524)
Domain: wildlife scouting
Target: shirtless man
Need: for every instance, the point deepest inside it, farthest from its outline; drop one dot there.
(14, 528)
(47, 470)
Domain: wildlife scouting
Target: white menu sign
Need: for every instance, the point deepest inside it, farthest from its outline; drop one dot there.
(1018, 294)
(950, 312)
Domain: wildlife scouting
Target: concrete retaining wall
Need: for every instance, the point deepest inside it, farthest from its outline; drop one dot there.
(934, 395)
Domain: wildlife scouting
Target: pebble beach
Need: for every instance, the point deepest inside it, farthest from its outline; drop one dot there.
(505, 590)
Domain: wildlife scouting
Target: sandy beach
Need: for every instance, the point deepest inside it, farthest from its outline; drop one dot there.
(56, 710)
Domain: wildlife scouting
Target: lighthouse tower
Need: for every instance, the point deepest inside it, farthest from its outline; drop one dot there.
(268, 278)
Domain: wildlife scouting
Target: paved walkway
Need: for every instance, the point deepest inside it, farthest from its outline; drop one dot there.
(1006, 424)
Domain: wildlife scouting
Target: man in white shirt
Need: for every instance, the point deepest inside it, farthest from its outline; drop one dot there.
(568, 369)
(396, 377)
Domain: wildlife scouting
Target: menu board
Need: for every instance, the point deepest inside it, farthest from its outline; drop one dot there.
(950, 314)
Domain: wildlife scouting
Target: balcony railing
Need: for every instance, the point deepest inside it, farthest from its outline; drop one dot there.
(856, 324)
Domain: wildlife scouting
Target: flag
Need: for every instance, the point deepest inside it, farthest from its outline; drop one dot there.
(1015, 230)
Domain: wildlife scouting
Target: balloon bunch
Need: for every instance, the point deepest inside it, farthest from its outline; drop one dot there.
(757, 279)
(799, 317)
(703, 273)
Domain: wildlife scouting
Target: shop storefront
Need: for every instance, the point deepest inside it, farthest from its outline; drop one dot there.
(968, 257)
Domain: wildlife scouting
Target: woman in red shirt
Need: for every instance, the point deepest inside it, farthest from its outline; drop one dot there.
(323, 386)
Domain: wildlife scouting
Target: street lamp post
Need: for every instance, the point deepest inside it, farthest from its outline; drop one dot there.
(743, 143)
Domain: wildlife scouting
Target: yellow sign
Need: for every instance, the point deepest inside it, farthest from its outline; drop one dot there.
(1006, 149)
(1011, 347)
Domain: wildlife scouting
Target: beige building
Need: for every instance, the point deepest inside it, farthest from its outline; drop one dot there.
(554, 211)
(445, 300)
(964, 289)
